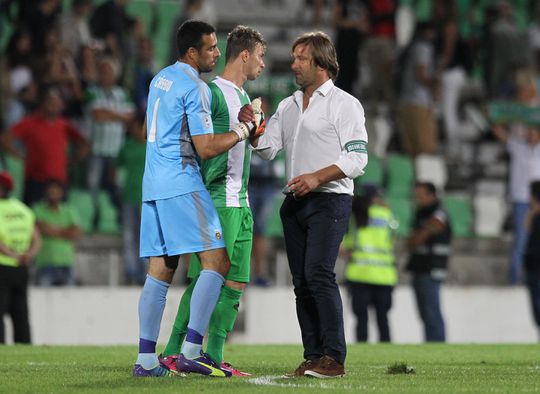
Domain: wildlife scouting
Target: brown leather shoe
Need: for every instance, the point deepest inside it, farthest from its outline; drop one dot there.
(302, 368)
(326, 367)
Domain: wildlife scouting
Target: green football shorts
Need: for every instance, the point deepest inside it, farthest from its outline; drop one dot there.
(237, 225)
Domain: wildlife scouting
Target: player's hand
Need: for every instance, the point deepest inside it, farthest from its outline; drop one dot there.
(246, 114)
(303, 184)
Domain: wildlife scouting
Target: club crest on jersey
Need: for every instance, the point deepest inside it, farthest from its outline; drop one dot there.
(218, 234)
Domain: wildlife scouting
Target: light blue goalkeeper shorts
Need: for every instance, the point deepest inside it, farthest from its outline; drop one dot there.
(183, 224)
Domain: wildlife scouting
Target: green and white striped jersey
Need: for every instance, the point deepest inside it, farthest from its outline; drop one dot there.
(107, 138)
(226, 176)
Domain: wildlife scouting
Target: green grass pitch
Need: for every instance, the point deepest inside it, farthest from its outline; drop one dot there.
(435, 369)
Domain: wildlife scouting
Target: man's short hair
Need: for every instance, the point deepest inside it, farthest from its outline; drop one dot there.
(190, 33)
(323, 51)
(429, 186)
(241, 38)
(535, 190)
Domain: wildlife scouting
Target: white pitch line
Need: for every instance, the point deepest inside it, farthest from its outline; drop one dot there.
(271, 381)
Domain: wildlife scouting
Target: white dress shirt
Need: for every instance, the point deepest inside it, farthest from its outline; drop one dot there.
(330, 131)
(524, 163)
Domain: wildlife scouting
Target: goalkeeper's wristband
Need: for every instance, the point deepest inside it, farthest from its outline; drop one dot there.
(242, 131)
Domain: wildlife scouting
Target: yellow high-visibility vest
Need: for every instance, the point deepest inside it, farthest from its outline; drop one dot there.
(16, 228)
(373, 259)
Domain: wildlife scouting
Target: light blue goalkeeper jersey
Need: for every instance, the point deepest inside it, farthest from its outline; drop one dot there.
(178, 108)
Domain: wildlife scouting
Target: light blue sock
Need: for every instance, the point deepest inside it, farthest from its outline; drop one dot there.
(203, 301)
(151, 306)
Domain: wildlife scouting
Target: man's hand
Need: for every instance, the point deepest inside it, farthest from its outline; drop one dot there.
(246, 114)
(25, 259)
(303, 184)
(253, 115)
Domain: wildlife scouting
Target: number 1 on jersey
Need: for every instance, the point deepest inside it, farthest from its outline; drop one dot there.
(153, 125)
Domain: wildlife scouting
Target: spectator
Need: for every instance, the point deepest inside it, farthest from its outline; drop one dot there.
(192, 9)
(453, 62)
(59, 225)
(429, 246)
(523, 145)
(371, 273)
(88, 67)
(109, 23)
(40, 20)
(508, 49)
(140, 73)
(74, 28)
(381, 52)
(46, 136)
(416, 120)
(351, 23)
(15, 73)
(23, 97)
(131, 161)
(532, 252)
(109, 111)
(58, 67)
(19, 243)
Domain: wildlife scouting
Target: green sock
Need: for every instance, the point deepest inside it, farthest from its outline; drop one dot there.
(180, 322)
(222, 321)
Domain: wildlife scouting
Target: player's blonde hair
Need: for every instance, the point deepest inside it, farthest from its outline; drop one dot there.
(323, 51)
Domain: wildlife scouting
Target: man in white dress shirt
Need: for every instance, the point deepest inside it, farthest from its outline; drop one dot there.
(321, 130)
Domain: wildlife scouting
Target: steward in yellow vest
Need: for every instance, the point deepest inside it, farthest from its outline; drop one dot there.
(371, 272)
(19, 243)
(373, 250)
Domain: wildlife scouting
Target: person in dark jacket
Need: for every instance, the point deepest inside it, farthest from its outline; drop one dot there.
(429, 246)
(532, 251)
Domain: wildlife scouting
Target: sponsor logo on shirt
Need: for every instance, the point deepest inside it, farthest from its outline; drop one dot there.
(218, 234)
(163, 84)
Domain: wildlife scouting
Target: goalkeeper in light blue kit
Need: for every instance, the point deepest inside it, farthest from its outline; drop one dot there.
(226, 177)
(178, 215)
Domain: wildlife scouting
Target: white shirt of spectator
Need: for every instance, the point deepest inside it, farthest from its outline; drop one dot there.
(524, 163)
(330, 131)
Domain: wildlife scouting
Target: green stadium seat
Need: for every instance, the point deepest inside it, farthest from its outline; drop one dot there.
(81, 201)
(373, 173)
(460, 215)
(108, 215)
(400, 173)
(403, 211)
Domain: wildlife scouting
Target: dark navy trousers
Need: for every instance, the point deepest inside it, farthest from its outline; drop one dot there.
(314, 228)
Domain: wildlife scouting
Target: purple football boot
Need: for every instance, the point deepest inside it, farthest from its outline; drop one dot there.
(203, 365)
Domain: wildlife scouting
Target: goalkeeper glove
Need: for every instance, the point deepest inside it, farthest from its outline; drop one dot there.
(260, 123)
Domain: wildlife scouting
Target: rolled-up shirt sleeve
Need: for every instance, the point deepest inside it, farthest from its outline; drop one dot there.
(271, 142)
(351, 128)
